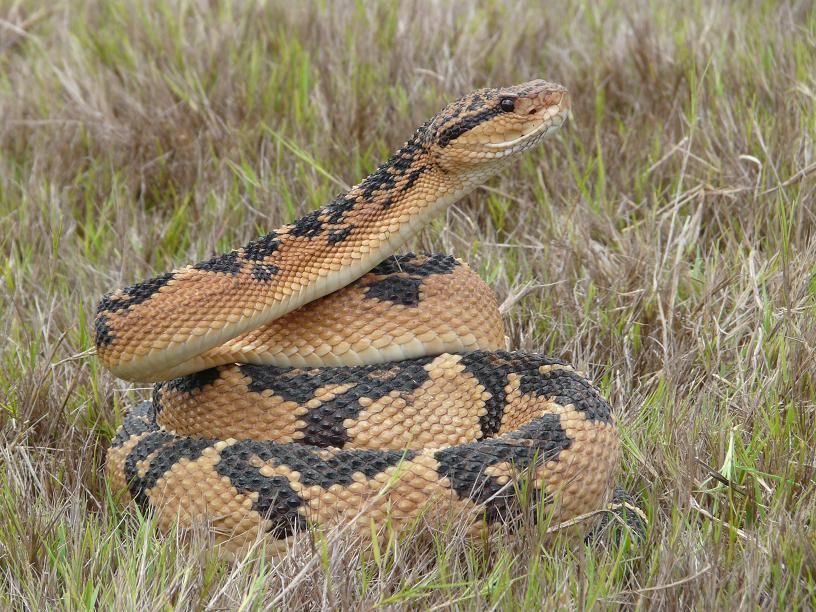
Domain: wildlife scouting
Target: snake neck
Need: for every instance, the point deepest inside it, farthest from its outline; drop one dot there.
(366, 224)
(386, 208)
(389, 206)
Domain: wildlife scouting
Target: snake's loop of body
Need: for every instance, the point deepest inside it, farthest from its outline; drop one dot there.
(317, 379)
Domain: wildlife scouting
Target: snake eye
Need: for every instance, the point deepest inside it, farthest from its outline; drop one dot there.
(508, 105)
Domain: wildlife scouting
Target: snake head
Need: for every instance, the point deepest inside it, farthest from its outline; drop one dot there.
(488, 125)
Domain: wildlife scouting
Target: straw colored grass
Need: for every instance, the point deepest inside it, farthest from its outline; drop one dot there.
(664, 244)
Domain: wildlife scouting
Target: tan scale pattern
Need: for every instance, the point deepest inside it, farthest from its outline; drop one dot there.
(116, 457)
(200, 460)
(228, 409)
(525, 408)
(191, 492)
(198, 310)
(445, 410)
(346, 328)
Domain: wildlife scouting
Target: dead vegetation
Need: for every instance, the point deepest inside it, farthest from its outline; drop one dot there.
(664, 244)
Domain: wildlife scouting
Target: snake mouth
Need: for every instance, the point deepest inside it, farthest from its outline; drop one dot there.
(544, 127)
(558, 117)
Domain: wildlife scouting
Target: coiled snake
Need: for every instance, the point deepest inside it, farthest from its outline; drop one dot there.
(386, 400)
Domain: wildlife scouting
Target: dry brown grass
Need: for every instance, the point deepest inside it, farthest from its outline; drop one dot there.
(667, 242)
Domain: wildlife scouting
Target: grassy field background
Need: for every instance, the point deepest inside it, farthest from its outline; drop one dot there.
(664, 244)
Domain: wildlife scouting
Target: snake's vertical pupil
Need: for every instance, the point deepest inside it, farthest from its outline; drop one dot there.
(508, 105)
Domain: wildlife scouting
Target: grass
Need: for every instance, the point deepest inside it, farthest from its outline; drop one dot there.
(664, 244)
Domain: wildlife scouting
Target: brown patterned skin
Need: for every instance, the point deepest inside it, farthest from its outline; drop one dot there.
(265, 451)
(356, 462)
(399, 310)
(144, 330)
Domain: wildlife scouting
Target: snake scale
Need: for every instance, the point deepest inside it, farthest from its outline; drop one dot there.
(312, 377)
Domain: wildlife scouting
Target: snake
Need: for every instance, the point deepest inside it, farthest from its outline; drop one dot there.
(314, 378)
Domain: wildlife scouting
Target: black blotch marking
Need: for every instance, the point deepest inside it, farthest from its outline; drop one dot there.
(190, 383)
(308, 226)
(264, 272)
(103, 336)
(228, 263)
(403, 159)
(277, 501)
(263, 247)
(494, 381)
(379, 180)
(141, 419)
(568, 387)
(398, 290)
(336, 211)
(324, 424)
(337, 236)
(465, 124)
(476, 103)
(492, 370)
(416, 265)
(465, 465)
(338, 469)
(400, 165)
(412, 178)
(147, 445)
(158, 404)
(385, 177)
(404, 275)
(135, 294)
(169, 451)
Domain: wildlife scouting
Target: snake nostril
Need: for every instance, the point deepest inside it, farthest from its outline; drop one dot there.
(532, 111)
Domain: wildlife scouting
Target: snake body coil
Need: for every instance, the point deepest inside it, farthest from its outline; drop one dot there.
(385, 400)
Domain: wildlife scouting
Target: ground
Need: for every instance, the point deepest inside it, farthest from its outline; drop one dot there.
(663, 243)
